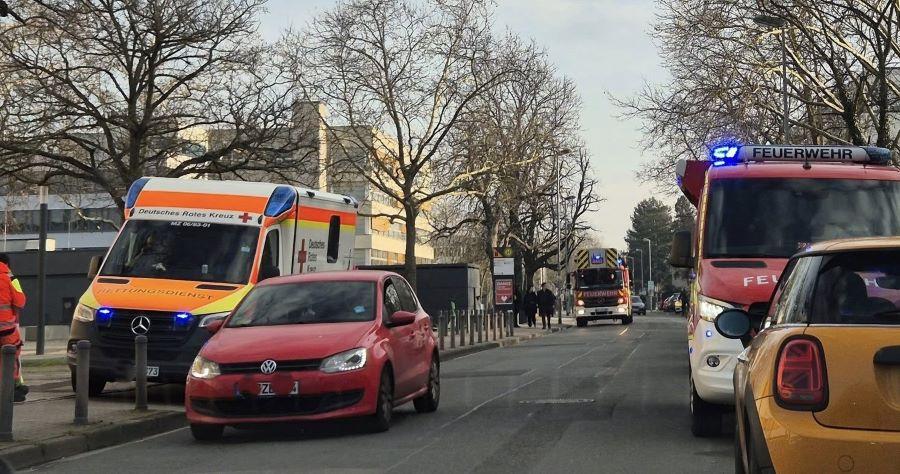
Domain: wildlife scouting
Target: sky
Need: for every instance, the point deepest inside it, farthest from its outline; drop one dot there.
(605, 47)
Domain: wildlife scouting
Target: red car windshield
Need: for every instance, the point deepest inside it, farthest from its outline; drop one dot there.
(306, 303)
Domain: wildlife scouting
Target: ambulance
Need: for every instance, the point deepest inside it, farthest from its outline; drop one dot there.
(188, 252)
(602, 287)
(758, 206)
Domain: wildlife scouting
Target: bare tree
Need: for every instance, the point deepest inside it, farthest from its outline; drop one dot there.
(399, 75)
(726, 76)
(105, 91)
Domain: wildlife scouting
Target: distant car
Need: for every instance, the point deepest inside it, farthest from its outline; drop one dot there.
(817, 390)
(314, 347)
(637, 305)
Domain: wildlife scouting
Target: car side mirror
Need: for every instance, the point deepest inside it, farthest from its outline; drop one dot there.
(214, 326)
(681, 255)
(401, 318)
(734, 324)
(94, 266)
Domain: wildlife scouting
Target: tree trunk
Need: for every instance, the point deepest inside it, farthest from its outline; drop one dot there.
(409, 266)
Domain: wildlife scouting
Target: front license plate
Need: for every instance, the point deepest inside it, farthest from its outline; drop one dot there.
(152, 371)
(265, 389)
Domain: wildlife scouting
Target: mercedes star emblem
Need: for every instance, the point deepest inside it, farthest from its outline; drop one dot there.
(268, 367)
(140, 325)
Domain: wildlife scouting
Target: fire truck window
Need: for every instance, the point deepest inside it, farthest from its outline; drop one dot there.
(334, 237)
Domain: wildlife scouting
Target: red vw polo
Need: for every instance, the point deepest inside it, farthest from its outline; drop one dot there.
(314, 347)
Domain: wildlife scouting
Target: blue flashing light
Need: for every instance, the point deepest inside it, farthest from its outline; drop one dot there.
(725, 151)
(183, 319)
(104, 315)
(708, 333)
(281, 201)
(720, 163)
(134, 191)
(878, 155)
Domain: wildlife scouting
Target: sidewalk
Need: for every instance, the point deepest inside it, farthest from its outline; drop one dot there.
(43, 428)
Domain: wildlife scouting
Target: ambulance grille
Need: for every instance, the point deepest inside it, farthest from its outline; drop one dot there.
(163, 331)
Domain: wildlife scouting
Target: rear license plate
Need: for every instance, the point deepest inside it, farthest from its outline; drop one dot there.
(152, 371)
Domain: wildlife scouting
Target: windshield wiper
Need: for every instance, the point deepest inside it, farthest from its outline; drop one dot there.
(890, 312)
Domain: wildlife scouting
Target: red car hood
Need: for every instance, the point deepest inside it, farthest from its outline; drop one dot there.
(740, 281)
(286, 342)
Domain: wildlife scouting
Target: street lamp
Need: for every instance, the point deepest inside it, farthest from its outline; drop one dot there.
(651, 291)
(42, 269)
(643, 281)
(774, 22)
(559, 285)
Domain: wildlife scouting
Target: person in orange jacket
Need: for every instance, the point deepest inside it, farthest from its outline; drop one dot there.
(12, 300)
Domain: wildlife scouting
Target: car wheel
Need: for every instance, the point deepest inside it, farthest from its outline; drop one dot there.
(203, 432)
(627, 320)
(706, 418)
(428, 402)
(580, 322)
(381, 420)
(95, 384)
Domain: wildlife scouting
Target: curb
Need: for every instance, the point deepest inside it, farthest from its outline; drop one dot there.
(450, 354)
(101, 436)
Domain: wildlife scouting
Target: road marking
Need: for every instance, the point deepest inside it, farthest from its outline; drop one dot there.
(577, 357)
(477, 407)
(624, 331)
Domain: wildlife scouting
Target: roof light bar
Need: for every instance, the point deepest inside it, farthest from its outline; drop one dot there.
(732, 154)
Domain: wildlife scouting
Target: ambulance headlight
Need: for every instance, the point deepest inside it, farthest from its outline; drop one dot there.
(621, 301)
(83, 313)
(579, 303)
(710, 308)
(209, 318)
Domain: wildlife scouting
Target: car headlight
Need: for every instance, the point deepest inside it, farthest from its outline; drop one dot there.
(710, 308)
(204, 369)
(579, 303)
(209, 318)
(621, 300)
(345, 361)
(83, 313)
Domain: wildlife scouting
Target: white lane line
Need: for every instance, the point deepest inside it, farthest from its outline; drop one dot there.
(480, 405)
(624, 331)
(577, 357)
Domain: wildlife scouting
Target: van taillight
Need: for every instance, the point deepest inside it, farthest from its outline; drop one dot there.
(800, 382)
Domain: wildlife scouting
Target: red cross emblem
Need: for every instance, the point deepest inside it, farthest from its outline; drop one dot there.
(245, 218)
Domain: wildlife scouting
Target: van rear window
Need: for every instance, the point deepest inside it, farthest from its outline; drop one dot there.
(183, 250)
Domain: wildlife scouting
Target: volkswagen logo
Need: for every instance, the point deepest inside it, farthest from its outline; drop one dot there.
(140, 325)
(268, 367)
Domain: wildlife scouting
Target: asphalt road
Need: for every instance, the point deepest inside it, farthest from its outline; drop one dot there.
(606, 398)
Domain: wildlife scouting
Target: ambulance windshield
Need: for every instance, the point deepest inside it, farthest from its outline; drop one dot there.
(598, 278)
(777, 217)
(180, 250)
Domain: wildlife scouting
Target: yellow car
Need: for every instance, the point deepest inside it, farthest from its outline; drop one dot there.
(818, 388)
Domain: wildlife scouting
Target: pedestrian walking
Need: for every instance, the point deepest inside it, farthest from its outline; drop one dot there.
(546, 305)
(517, 308)
(531, 306)
(12, 300)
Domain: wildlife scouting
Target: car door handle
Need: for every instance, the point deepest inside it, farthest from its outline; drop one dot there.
(888, 356)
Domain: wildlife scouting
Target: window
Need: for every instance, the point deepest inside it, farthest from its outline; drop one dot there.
(334, 238)
(407, 299)
(858, 288)
(793, 305)
(194, 251)
(391, 299)
(306, 303)
(269, 263)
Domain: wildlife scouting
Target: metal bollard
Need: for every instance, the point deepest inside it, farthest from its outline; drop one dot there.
(479, 318)
(462, 329)
(453, 320)
(82, 380)
(471, 324)
(512, 323)
(7, 390)
(140, 372)
(494, 323)
(441, 330)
